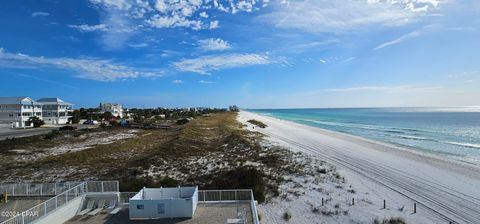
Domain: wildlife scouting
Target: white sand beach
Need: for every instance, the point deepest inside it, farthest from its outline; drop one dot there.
(443, 190)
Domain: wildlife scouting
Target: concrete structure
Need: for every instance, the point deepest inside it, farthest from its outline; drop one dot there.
(55, 110)
(18, 110)
(159, 203)
(69, 199)
(114, 108)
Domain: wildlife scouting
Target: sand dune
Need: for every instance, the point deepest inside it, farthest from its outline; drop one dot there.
(444, 191)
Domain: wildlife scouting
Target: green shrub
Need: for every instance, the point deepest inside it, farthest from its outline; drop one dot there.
(169, 182)
(37, 122)
(390, 221)
(182, 121)
(242, 178)
(51, 135)
(257, 123)
(286, 216)
(67, 128)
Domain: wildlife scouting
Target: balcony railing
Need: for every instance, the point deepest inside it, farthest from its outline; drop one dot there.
(74, 191)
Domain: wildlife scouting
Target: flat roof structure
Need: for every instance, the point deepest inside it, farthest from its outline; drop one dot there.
(93, 202)
(206, 213)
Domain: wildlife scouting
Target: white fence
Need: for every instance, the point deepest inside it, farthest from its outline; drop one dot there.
(206, 196)
(52, 204)
(225, 195)
(35, 189)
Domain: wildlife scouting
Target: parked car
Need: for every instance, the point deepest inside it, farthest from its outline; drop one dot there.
(90, 122)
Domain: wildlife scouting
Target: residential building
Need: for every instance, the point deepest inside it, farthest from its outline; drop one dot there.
(55, 110)
(18, 110)
(114, 108)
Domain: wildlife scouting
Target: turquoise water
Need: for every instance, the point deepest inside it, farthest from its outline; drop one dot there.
(446, 132)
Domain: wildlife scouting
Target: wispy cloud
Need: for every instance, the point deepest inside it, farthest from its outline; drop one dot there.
(206, 64)
(398, 40)
(407, 36)
(177, 81)
(86, 68)
(401, 88)
(205, 82)
(89, 28)
(325, 16)
(213, 44)
(47, 81)
(37, 14)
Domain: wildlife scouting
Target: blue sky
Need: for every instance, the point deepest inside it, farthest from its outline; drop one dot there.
(253, 53)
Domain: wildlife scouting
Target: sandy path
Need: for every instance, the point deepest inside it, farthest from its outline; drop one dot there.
(448, 190)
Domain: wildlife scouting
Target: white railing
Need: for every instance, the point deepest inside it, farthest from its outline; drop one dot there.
(225, 195)
(35, 189)
(52, 204)
(245, 195)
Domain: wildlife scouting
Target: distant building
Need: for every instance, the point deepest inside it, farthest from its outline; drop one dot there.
(55, 110)
(233, 108)
(114, 108)
(18, 110)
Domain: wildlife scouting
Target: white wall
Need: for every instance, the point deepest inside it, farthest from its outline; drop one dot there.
(63, 214)
(174, 208)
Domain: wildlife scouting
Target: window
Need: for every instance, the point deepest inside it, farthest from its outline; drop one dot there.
(140, 207)
(161, 208)
(38, 113)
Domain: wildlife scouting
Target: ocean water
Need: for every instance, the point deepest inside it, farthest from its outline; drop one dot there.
(449, 132)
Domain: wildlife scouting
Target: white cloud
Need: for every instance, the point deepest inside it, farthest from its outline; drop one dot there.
(213, 44)
(407, 36)
(86, 68)
(214, 25)
(89, 28)
(205, 64)
(35, 14)
(398, 40)
(121, 19)
(203, 15)
(174, 21)
(117, 4)
(177, 81)
(326, 16)
(205, 82)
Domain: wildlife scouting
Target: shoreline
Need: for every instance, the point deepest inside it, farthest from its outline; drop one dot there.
(411, 152)
(445, 189)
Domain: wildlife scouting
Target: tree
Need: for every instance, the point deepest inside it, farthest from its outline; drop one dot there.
(76, 114)
(107, 116)
(37, 122)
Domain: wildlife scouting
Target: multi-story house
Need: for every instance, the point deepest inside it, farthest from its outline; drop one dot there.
(55, 110)
(114, 108)
(19, 110)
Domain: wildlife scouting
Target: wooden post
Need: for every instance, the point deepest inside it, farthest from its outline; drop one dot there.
(414, 207)
(322, 201)
(353, 201)
(384, 205)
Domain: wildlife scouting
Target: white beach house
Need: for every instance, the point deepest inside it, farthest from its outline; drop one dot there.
(18, 110)
(114, 108)
(55, 110)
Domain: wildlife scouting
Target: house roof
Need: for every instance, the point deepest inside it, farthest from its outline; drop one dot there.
(18, 100)
(54, 100)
